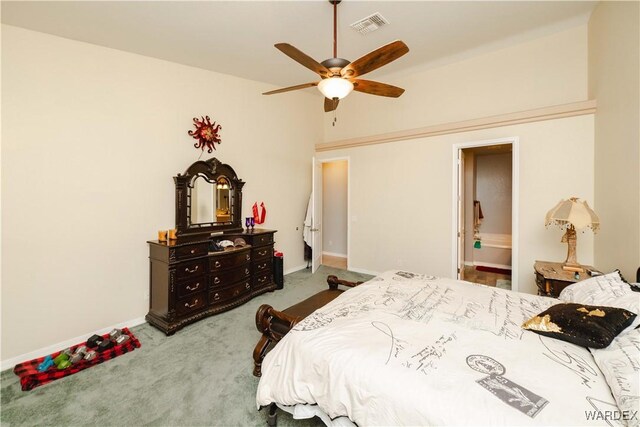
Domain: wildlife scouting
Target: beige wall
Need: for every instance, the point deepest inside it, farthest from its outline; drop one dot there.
(414, 229)
(91, 139)
(334, 207)
(547, 71)
(493, 190)
(614, 73)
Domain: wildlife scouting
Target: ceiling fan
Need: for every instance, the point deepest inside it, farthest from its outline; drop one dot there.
(339, 75)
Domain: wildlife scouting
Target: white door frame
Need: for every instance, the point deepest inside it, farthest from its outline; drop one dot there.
(515, 198)
(348, 159)
(462, 212)
(316, 214)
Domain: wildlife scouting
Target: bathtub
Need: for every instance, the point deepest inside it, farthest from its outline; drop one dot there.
(495, 251)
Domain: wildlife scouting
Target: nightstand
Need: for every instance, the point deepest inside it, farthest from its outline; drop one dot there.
(552, 279)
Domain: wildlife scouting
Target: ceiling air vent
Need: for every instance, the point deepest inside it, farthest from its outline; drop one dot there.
(370, 23)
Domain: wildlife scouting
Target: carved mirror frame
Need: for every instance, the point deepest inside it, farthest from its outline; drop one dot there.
(211, 170)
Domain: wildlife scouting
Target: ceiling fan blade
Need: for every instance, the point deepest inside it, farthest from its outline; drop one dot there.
(377, 88)
(330, 104)
(376, 59)
(287, 89)
(303, 59)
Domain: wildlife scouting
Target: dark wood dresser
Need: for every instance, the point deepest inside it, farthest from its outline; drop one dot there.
(188, 281)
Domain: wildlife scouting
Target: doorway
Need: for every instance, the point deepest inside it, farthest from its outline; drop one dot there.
(330, 231)
(485, 234)
(334, 213)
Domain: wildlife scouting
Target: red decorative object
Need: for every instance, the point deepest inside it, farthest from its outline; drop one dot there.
(259, 218)
(206, 133)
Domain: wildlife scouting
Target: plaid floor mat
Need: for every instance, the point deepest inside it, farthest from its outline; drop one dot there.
(31, 378)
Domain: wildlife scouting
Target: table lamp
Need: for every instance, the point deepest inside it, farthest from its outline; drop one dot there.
(572, 214)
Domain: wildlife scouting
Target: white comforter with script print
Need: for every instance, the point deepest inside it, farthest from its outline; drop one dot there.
(409, 349)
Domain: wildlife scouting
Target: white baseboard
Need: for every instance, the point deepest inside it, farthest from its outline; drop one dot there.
(468, 263)
(10, 363)
(294, 269)
(488, 264)
(363, 271)
(334, 254)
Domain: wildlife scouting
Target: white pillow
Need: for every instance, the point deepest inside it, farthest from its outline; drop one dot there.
(595, 289)
(620, 365)
(608, 290)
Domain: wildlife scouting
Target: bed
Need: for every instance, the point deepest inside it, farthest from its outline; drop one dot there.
(414, 349)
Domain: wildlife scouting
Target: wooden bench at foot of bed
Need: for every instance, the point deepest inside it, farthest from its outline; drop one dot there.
(274, 324)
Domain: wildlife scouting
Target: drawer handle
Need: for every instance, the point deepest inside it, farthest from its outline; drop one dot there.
(248, 257)
(236, 292)
(216, 297)
(264, 279)
(191, 271)
(189, 288)
(216, 280)
(262, 266)
(193, 251)
(217, 264)
(246, 285)
(246, 271)
(262, 253)
(186, 304)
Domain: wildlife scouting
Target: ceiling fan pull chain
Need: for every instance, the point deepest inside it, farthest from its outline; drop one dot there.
(335, 114)
(335, 29)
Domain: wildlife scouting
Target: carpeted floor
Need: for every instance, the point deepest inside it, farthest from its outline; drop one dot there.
(200, 376)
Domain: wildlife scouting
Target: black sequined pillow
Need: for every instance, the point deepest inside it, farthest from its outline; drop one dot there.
(584, 325)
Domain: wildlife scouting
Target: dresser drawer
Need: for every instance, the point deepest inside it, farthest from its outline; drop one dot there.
(191, 304)
(262, 239)
(191, 251)
(262, 279)
(224, 278)
(262, 266)
(192, 286)
(232, 292)
(261, 253)
(189, 270)
(225, 262)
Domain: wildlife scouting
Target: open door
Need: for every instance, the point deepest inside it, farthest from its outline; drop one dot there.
(316, 221)
(461, 222)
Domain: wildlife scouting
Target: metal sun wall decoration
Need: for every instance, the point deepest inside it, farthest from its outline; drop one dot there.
(206, 133)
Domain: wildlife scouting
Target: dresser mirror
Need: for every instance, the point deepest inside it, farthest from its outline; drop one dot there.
(208, 199)
(201, 201)
(224, 194)
(209, 202)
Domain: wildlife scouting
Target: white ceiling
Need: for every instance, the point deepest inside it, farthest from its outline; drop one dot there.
(237, 37)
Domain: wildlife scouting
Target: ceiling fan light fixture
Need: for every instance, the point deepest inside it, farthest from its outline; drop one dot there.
(335, 87)
(339, 75)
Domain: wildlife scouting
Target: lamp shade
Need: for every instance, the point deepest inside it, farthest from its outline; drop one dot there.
(335, 87)
(222, 184)
(574, 212)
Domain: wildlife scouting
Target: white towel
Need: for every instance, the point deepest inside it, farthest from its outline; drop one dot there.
(308, 220)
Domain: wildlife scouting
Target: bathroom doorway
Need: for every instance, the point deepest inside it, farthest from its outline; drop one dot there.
(335, 201)
(486, 212)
